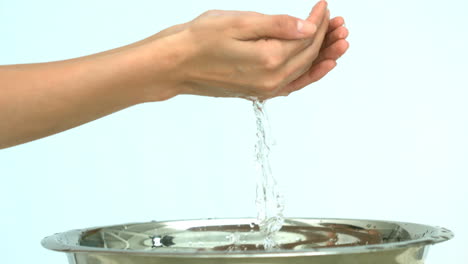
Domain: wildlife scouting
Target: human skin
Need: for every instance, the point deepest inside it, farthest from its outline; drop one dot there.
(220, 54)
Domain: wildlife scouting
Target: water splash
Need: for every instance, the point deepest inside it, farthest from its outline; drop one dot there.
(269, 201)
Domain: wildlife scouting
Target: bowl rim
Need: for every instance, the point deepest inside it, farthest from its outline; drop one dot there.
(57, 242)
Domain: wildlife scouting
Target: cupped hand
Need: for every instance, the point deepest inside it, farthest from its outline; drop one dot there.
(252, 55)
(333, 47)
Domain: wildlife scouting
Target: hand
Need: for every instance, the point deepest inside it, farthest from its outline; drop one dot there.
(247, 54)
(220, 53)
(334, 46)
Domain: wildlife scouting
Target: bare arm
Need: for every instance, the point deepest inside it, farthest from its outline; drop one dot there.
(221, 53)
(38, 100)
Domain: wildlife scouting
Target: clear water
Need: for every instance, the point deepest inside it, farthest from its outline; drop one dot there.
(269, 201)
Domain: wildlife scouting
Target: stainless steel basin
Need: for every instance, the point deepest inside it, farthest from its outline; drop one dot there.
(236, 241)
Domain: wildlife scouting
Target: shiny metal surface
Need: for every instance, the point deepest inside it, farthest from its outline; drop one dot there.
(236, 241)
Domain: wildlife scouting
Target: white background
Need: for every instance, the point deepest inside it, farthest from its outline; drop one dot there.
(384, 136)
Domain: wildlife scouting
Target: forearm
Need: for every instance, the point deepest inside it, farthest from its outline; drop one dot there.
(220, 54)
(38, 100)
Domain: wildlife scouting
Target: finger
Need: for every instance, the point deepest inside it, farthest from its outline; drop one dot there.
(283, 27)
(334, 51)
(334, 36)
(300, 63)
(318, 12)
(315, 73)
(335, 23)
(286, 27)
(316, 16)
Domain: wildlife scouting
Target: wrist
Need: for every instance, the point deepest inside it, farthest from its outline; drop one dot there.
(154, 68)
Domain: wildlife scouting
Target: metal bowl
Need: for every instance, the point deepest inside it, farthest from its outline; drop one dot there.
(236, 241)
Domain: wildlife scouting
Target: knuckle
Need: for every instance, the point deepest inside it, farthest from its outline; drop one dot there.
(272, 55)
(269, 85)
(272, 62)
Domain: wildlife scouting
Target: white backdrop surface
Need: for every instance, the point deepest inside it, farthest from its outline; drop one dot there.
(384, 136)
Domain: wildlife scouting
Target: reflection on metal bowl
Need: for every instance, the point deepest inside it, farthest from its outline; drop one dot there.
(238, 241)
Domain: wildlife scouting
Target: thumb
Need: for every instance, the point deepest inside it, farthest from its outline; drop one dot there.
(277, 26)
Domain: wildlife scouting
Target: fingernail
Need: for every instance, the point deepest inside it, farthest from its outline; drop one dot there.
(306, 27)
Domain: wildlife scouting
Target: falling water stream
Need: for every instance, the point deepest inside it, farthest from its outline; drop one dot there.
(269, 232)
(269, 200)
